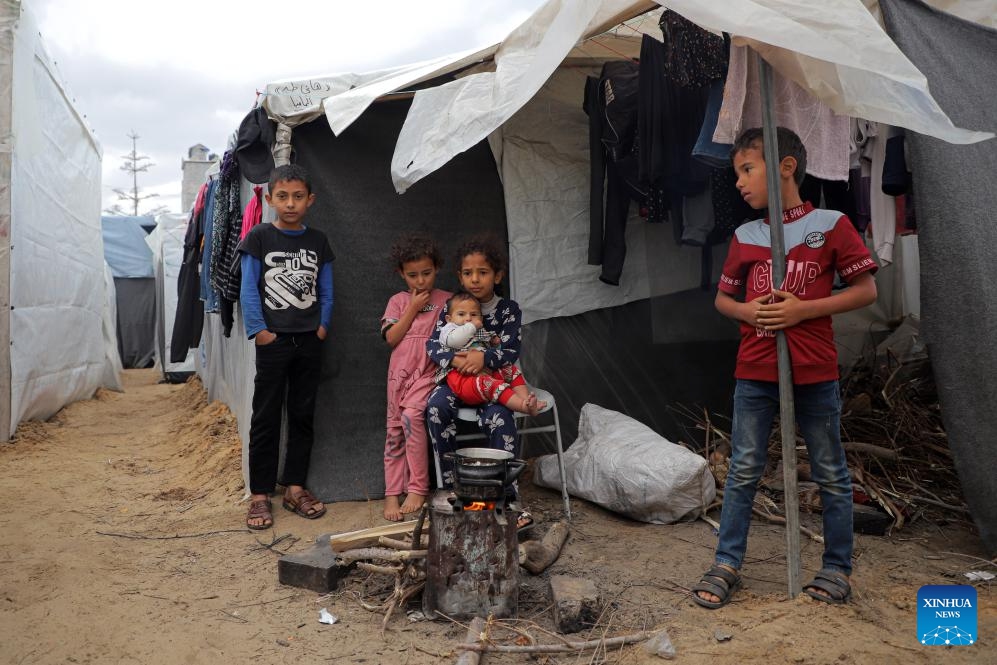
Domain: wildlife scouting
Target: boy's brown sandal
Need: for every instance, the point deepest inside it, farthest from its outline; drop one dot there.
(303, 503)
(259, 510)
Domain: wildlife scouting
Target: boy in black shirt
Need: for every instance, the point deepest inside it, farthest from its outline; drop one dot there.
(286, 300)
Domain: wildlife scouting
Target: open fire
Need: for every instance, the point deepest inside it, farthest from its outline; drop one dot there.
(480, 505)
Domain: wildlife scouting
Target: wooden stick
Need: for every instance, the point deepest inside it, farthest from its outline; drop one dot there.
(419, 522)
(383, 570)
(342, 542)
(940, 504)
(394, 544)
(475, 633)
(779, 519)
(871, 449)
(561, 648)
(380, 554)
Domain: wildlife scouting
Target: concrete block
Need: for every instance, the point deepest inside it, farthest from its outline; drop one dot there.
(314, 568)
(576, 603)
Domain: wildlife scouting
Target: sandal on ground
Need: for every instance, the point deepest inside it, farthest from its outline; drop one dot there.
(719, 581)
(832, 582)
(303, 504)
(524, 521)
(259, 510)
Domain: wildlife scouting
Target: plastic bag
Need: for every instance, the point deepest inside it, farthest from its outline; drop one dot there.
(625, 466)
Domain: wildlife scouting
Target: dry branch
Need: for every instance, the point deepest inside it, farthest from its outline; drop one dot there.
(381, 570)
(893, 435)
(475, 633)
(379, 554)
(561, 648)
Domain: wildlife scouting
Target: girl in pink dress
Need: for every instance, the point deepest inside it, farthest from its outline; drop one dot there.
(408, 321)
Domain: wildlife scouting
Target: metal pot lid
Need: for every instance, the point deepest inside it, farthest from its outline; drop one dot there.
(485, 454)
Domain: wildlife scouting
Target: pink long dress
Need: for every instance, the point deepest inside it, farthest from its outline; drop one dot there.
(410, 380)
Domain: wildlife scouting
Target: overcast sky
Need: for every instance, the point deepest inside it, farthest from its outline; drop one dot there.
(182, 72)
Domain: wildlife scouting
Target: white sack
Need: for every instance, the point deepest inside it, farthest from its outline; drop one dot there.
(625, 466)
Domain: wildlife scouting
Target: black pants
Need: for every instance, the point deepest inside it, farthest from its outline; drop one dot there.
(290, 365)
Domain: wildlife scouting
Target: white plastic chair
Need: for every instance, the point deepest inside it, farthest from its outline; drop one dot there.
(470, 415)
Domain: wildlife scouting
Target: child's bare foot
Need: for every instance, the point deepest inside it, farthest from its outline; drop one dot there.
(392, 511)
(413, 503)
(534, 405)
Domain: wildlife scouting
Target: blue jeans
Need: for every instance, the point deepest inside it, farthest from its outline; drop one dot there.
(818, 413)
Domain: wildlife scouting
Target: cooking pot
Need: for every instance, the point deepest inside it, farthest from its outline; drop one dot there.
(482, 468)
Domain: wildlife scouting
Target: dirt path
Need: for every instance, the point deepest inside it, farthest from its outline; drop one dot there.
(157, 462)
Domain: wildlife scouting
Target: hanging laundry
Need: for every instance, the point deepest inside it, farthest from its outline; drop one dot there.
(227, 222)
(253, 213)
(208, 293)
(611, 105)
(189, 316)
(870, 140)
(693, 57)
(823, 132)
(668, 121)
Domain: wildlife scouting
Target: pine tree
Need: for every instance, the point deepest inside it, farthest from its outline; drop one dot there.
(134, 164)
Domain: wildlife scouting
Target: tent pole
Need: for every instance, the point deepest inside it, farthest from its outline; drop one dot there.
(9, 12)
(787, 417)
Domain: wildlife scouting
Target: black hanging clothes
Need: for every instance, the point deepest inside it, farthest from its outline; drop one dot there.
(227, 221)
(611, 105)
(188, 320)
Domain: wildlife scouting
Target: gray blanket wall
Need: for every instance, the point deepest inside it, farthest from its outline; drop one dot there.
(356, 206)
(957, 225)
(136, 320)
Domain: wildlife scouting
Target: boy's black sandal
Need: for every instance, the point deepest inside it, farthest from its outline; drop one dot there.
(718, 581)
(833, 583)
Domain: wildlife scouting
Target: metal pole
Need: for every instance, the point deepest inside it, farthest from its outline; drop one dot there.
(787, 417)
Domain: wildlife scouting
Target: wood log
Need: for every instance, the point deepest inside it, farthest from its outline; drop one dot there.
(382, 570)
(351, 540)
(536, 556)
(474, 634)
(394, 544)
(379, 554)
(561, 648)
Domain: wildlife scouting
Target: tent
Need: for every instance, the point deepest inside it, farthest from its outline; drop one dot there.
(466, 196)
(53, 294)
(166, 245)
(130, 260)
(654, 340)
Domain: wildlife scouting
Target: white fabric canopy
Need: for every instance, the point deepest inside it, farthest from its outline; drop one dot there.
(835, 49)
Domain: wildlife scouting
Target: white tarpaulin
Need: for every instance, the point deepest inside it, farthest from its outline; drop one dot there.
(835, 49)
(57, 282)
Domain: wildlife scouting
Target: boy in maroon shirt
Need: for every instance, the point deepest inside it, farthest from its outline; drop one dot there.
(819, 243)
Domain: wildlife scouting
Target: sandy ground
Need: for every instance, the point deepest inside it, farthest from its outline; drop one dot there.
(103, 563)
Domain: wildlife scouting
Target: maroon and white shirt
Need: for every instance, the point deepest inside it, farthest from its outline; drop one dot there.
(818, 244)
